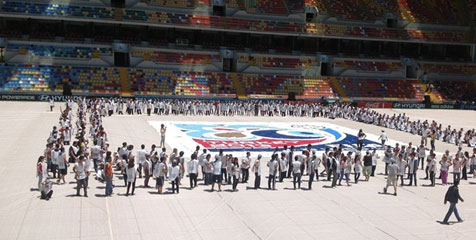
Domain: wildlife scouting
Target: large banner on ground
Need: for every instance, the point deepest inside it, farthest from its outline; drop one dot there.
(260, 137)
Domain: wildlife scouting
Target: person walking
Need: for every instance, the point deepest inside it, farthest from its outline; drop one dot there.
(392, 176)
(452, 196)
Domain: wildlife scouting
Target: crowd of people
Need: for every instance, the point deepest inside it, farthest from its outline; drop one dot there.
(91, 156)
(431, 131)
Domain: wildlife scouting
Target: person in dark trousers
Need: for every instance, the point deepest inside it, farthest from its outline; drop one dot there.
(257, 170)
(46, 190)
(290, 161)
(452, 196)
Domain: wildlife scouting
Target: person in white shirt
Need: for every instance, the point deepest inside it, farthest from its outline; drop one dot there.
(175, 176)
(96, 153)
(402, 165)
(432, 168)
(41, 171)
(383, 138)
(273, 169)
(311, 170)
(445, 164)
(62, 163)
(141, 156)
(52, 104)
(235, 171)
(201, 162)
(283, 166)
(217, 173)
(413, 165)
(163, 129)
(160, 172)
(297, 172)
(257, 170)
(457, 163)
(80, 175)
(131, 172)
(421, 155)
(245, 167)
(192, 172)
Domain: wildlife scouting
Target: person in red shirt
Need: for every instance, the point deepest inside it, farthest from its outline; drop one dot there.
(108, 176)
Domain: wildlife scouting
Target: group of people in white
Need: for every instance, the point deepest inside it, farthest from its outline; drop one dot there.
(90, 154)
(431, 131)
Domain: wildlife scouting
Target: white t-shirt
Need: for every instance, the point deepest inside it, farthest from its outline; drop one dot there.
(193, 166)
(96, 152)
(159, 170)
(273, 167)
(141, 156)
(296, 167)
(217, 167)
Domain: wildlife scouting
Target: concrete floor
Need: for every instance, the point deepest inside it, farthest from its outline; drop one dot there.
(356, 212)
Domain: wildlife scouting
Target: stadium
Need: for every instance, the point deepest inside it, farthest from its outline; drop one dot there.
(237, 76)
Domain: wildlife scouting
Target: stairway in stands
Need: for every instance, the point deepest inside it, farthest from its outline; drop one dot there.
(240, 91)
(338, 88)
(125, 84)
(435, 96)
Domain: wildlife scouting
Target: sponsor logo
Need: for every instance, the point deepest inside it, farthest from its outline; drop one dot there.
(408, 105)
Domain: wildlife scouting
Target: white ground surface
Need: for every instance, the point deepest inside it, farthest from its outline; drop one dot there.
(356, 212)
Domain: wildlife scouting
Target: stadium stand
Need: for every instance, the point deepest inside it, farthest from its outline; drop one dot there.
(369, 66)
(266, 7)
(172, 3)
(456, 69)
(278, 62)
(175, 57)
(59, 51)
(41, 78)
(382, 89)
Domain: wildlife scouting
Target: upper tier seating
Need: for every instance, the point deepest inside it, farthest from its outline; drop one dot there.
(172, 3)
(42, 78)
(167, 82)
(174, 57)
(455, 90)
(444, 12)
(382, 89)
(369, 66)
(315, 88)
(59, 51)
(266, 6)
(278, 62)
(231, 23)
(449, 68)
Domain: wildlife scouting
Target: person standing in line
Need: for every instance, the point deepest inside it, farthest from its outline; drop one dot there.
(273, 169)
(387, 157)
(445, 165)
(392, 177)
(257, 170)
(374, 162)
(452, 196)
(357, 167)
(317, 162)
(175, 176)
(55, 154)
(208, 169)
(41, 171)
(465, 163)
(80, 175)
(160, 172)
(245, 167)
(131, 176)
(192, 172)
(432, 140)
(402, 165)
(367, 165)
(326, 164)
(456, 168)
(217, 172)
(108, 176)
(311, 170)
(297, 172)
(235, 171)
(421, 155)
(96, 152)
(146, 167)
(202, 161)
(473, 163)
(62, 164)
(52, 104)
(335, 168)
(413, 163)
(290, 161)
(283, 166)
(383, 138)
(360, 139)
(432, 168)
(141, 156)
(163, 129)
